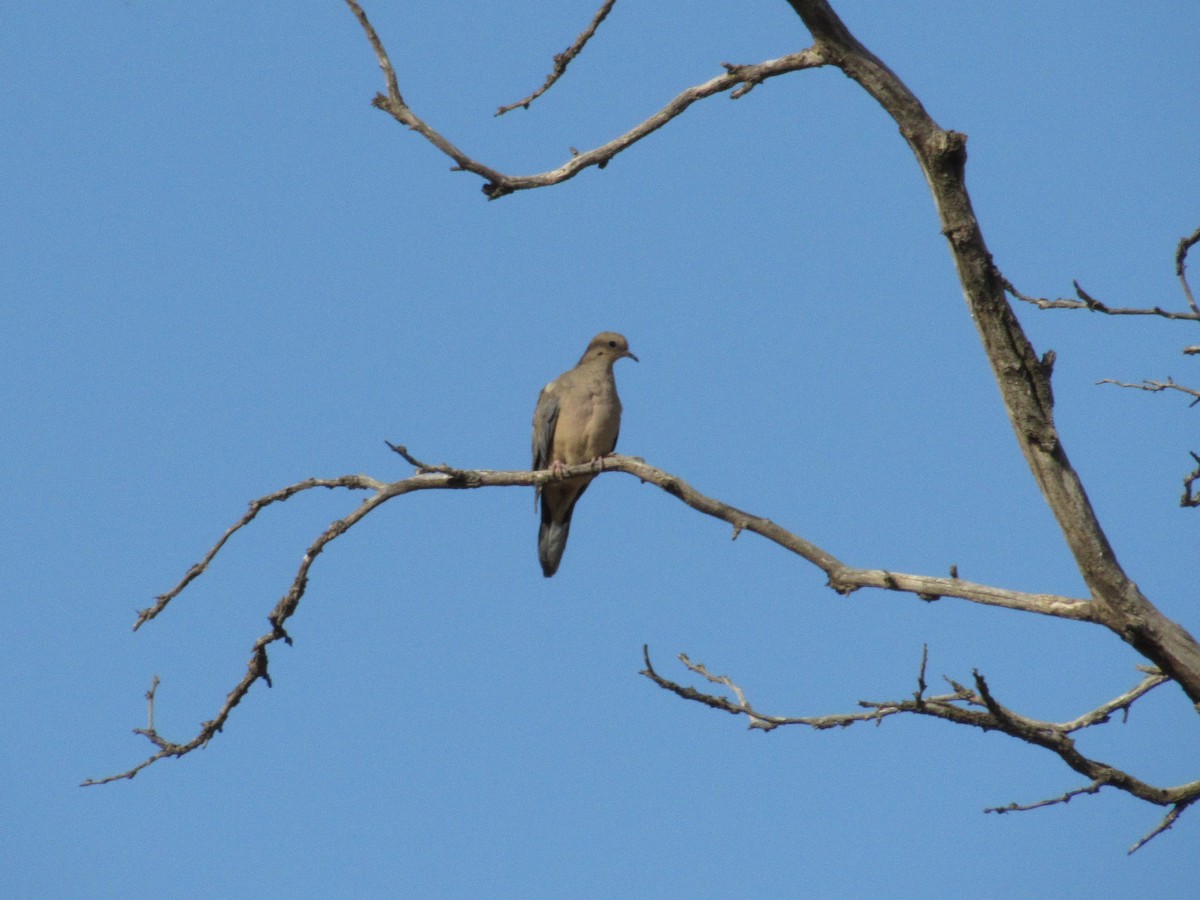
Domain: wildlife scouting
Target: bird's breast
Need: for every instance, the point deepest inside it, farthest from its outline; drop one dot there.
(587, 428)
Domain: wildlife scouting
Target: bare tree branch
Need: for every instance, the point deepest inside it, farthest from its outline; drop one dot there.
(1088, 302)
(1024, 380)
(354, 482)
(1189, 498)
(499, 184)
(564, 59)
(1168, 820)
(1023, 376)
(1156, 386)
(842, 578)
(1181, 252)
(977, 708)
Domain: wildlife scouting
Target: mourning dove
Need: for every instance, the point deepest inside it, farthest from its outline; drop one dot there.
(577, 419)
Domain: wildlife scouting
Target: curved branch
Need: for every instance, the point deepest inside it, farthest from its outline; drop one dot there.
(499, 184)
(1181, 252)
(842, 578)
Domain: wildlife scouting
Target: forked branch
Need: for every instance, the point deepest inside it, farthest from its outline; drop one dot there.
(842, 578)
(499, 184)
(978, 708)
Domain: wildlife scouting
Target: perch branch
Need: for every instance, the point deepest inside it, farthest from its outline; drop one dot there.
(842, 578)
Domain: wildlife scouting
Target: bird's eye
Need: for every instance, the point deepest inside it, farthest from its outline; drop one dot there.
(612, 344)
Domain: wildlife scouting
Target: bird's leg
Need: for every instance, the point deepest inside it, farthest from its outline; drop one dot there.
(557, 467)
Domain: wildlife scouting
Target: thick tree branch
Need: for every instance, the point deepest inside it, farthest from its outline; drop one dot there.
(1181, 252)
(1023, 377)
(977, 708)
(1189, 498)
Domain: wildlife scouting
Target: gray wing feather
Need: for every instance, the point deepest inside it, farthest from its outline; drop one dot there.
(545, 417)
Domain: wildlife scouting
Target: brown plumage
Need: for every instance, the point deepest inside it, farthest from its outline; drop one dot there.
(577, 419)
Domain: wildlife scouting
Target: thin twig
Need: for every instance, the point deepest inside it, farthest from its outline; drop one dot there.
(1088, 302)
(562, 60)
(1102, 713)
(759, 721)
(1168, 820)
(1156, 386)
(1051, 801)
(355, 482)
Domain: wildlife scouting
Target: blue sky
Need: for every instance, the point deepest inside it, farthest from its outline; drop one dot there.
(222, 272)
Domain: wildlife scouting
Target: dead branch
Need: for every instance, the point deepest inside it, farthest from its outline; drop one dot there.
(1090, 303)
(564, 59)
(1022, 375)
(1189, 498)
(1087, 301)
(1181, 252)
(842, 578)
(1156, 386)
(499, 184)
(977, 708)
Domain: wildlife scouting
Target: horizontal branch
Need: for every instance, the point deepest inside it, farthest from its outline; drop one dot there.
(498, 184)
(842, 578)
(1084, 300)
(1156, 386)
(977, 708)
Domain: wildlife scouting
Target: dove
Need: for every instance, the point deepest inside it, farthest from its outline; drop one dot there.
(577, 419)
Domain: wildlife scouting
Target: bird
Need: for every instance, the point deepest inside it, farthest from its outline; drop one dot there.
(577, 419)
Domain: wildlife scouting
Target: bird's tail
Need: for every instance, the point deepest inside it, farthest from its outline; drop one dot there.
(552, 536)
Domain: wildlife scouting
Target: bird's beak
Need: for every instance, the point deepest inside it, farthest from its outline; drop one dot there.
(631, 356)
